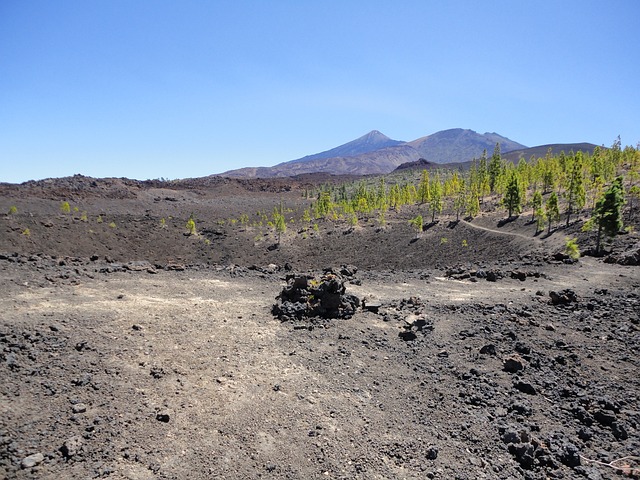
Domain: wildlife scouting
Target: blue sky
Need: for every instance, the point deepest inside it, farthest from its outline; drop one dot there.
(175, 89)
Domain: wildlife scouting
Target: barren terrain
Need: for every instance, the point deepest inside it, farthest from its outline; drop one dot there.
(139, 352)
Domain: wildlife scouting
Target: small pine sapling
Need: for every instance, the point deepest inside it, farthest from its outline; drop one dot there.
(571, 248)
(416, 223)
(191, 226)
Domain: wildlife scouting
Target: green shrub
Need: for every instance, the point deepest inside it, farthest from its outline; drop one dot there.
(99, 219)
(12, 210)
(65, 207)
(26, 232)
(191, 226)
(112, 225)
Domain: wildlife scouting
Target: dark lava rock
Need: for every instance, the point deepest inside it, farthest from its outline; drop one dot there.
(305, 297)
(432, 453)
(163, 417)
(489, 349)
(564, 450)
(407, 335)
(563, 297)
(525, 387)
(519, 275)
(71, 446)
(513, 364)
(493, 275)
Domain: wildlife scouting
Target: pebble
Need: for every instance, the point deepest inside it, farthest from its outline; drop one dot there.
(32, 460)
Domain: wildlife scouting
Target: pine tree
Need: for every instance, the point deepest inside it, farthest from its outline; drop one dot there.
(552, 210)
(536, 203)
(417, 224)
(436, 198)
(575, 194)
(423, 188)
(472, 207)
(280, 225)
(540, 218)
(608, 212)
(495, 168)
(512, 200)
(460, 199)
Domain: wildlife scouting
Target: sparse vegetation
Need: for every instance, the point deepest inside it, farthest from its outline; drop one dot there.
(12, 210)
(571, 248)
(112, 225)
(191, 226)
(607, 216)
(416, 223)
(65, 208)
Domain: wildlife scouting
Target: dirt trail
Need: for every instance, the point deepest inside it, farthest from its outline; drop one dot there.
(535, 240)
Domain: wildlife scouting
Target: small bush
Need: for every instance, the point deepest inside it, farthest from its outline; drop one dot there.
(99, 219)
(444, 240)
(83, 217)
(112, 225)
(163, 223)
(12, 210)
(26, 232)
(65, 207)
(465, 244)
(191, 226)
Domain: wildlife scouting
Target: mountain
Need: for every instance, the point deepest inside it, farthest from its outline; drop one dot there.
(541, 150)
(374, 140)
(375, 153)
(459, 145)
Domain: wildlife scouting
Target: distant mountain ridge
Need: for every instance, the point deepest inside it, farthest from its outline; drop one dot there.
(555, 149)
(375, 153)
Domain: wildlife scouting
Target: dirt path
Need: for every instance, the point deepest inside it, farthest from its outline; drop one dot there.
(535, 240)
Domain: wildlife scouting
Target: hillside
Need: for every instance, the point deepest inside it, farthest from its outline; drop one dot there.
(375, 153)
(541, 150)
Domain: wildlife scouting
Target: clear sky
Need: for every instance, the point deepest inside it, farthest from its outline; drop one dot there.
(175, 89)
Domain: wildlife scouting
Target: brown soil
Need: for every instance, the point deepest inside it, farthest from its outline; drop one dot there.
(139, 352)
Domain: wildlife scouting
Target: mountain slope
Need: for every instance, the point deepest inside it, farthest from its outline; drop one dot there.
(374, 140)
(459, 145)
(541, 150)
(375, 153)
